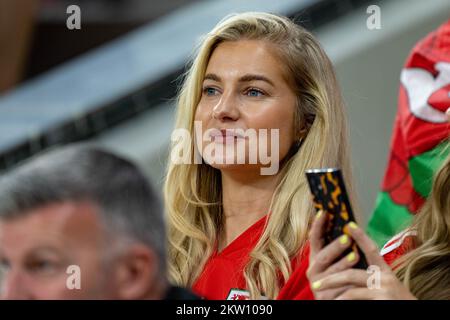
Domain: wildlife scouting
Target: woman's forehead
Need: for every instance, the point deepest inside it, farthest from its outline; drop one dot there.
(243, 57)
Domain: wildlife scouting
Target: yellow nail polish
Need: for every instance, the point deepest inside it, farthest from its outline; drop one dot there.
(343, 239)
(316, 284)
(351, 256)
(353, 225)
(319, 214)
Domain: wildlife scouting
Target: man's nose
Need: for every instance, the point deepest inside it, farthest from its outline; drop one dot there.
(13, 286)
(227, 108)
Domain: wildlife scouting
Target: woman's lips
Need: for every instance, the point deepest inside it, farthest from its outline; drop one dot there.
(226, 136)
(225, 139)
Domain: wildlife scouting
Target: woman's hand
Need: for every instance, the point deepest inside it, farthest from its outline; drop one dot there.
(322, 259)
(340, 281)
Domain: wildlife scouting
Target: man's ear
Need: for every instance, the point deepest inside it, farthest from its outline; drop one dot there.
(137, 273)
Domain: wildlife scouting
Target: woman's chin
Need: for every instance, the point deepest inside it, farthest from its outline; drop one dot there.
(222, 160)
(233, 166)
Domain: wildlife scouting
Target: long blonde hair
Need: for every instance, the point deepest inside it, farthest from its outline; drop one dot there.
(425, 269)
(193, 192)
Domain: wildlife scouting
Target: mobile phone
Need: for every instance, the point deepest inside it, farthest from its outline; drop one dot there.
(330, 195)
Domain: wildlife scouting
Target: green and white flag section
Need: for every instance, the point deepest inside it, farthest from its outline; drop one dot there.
(420, 136)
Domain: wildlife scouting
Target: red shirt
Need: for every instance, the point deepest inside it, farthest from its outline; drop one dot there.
(398, 246)
(223, 278)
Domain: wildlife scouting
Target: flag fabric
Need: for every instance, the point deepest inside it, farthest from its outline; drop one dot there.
(419, 141)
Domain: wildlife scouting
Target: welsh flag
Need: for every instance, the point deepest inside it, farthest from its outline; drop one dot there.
(419, 140)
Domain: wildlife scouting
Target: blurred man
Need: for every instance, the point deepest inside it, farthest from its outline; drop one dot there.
(81, 223)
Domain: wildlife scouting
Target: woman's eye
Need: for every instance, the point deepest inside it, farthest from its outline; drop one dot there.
(254, 93)
(209, 91)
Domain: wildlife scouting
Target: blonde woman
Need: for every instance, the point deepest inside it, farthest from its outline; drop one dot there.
(236, 232)
(419, 256)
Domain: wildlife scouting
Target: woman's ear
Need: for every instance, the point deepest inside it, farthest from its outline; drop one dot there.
(302, 133)
(137, 273)
(300, 136)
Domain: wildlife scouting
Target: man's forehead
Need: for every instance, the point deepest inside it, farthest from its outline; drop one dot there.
(59, 222)
(57, 214)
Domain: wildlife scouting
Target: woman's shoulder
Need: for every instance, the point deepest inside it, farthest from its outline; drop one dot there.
(398, 245)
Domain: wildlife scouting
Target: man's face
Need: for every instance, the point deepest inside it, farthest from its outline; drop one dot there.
(37, 249)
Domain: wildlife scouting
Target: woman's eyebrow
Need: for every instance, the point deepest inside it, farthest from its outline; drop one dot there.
(244, 78)
(256, 77)
(213, 77)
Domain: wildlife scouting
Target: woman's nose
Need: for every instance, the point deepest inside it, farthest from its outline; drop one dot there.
(226, 109)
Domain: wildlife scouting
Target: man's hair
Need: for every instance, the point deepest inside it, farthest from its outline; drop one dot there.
(127, 205)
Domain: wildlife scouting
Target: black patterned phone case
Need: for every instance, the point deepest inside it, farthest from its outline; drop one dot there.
(329, 194)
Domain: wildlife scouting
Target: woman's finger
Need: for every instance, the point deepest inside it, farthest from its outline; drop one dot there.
(344, 263)
(358, 294)
(350, 277)
(369, 247)
(316, 233)
(325, 257)
(330, 294)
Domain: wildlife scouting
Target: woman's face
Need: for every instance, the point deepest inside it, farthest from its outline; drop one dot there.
(245, 90)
